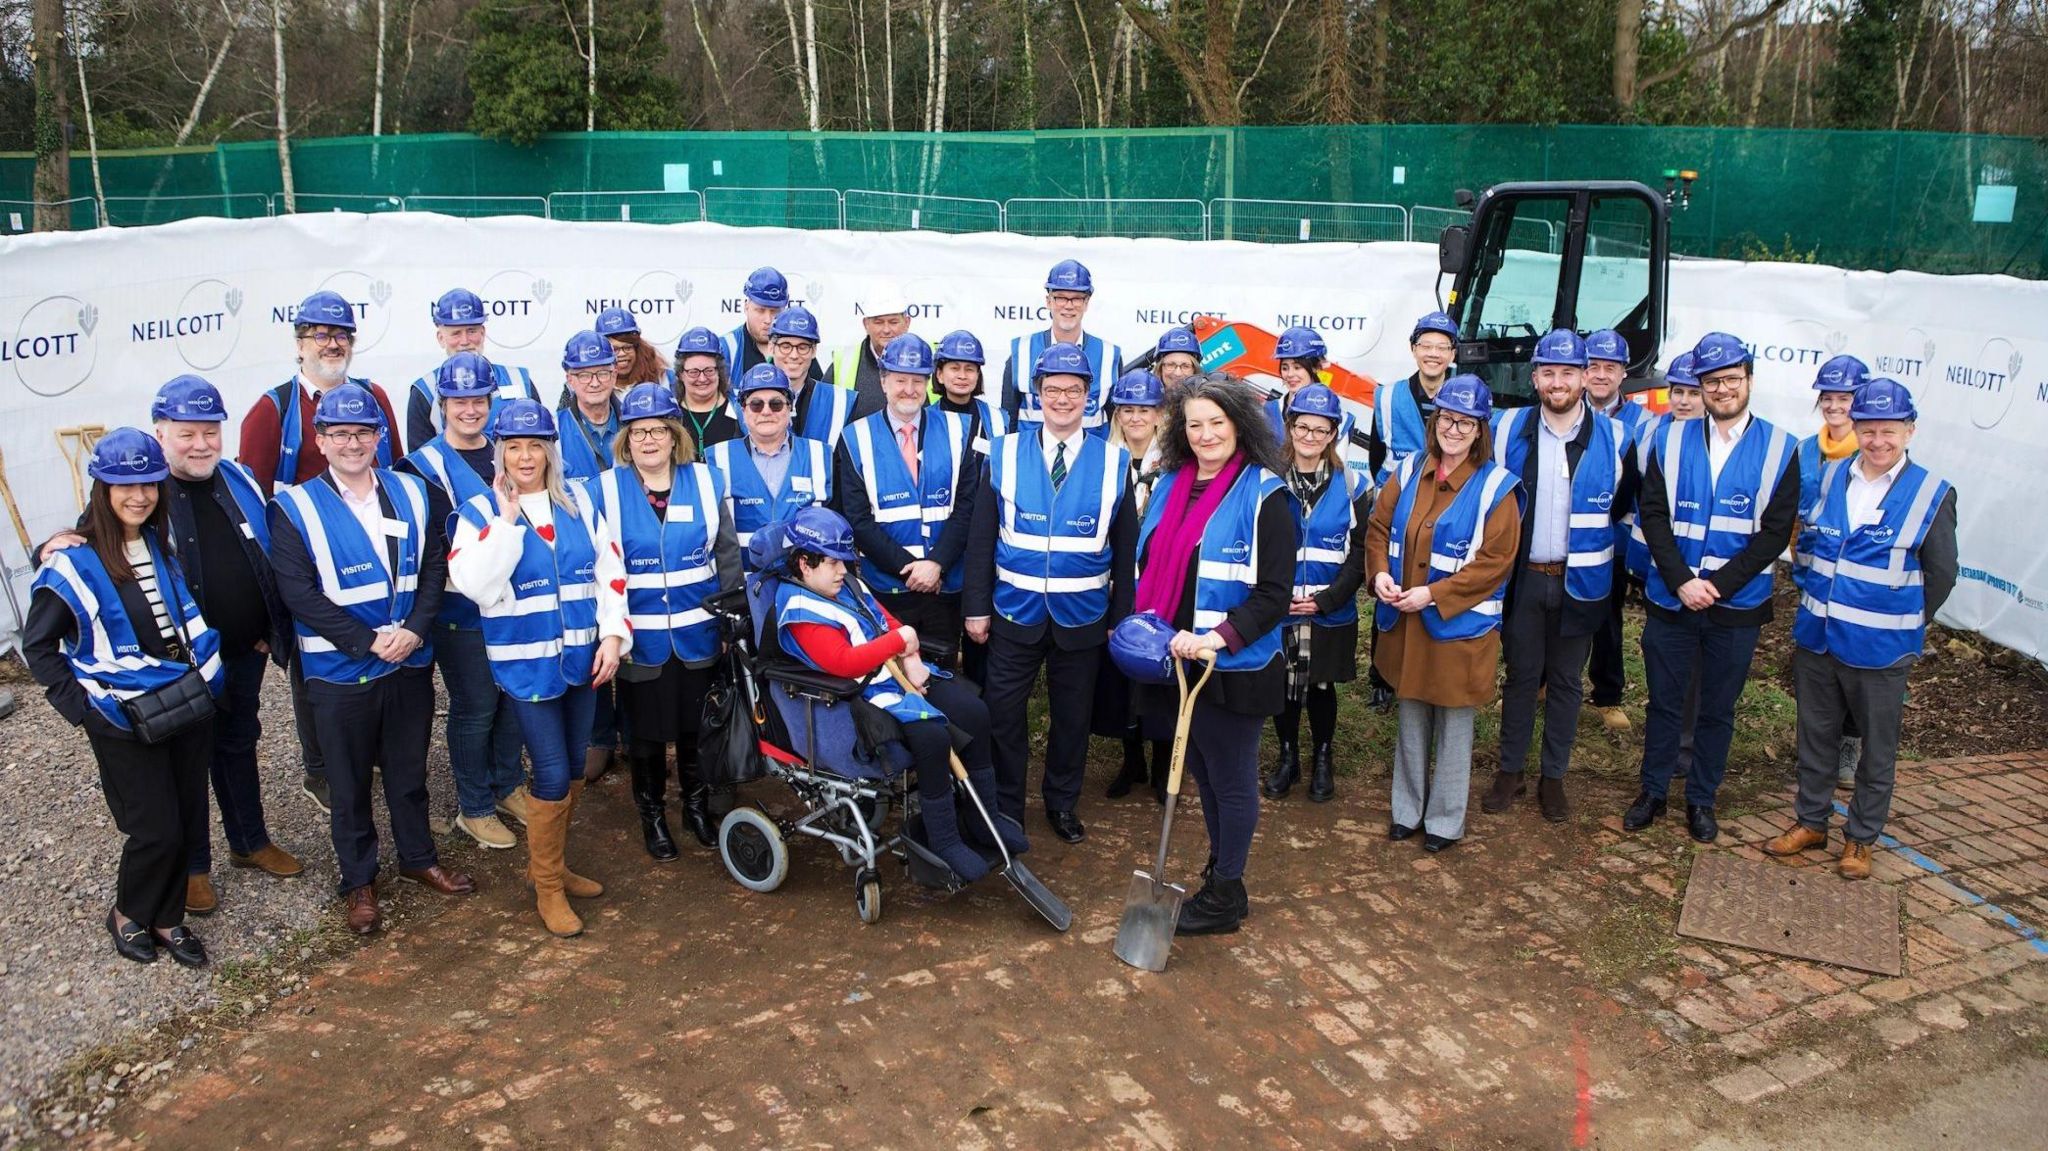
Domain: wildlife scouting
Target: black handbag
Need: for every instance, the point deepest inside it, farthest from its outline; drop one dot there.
(728, 738)
(156, 716)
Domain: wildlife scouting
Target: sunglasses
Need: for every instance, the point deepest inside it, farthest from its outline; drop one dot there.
(771, 404)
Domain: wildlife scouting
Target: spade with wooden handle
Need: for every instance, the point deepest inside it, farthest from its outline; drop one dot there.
(1152, 906)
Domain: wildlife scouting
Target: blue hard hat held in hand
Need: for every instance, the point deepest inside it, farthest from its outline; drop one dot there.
(587, 350)
(1467, 396)
(1315, 400)
(649, 401)
(1560, 346)
(766, 287)
(458, 308)
(821, 530)
(463, 374)
(188, 398)
(1141, 646)
(959, 348)
(908, 354)
(1883, 399)
(1841, 374)
(764, 377)
(1137, 388)
(1063, 360)
(128, 456)
(1438, 322)
(350, 404)
(1299, 343)
(326, 308)
(1070, 276)
(699, 342)
(795, 323)
(523, 418)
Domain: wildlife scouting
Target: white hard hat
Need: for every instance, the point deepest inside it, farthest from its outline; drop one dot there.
(883, 298)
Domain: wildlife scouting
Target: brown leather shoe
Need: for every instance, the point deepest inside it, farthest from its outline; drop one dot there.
(440, 879)
(199, 896)
(1550, 797)
(1508, 786)
(271, 860)
(1796, 840)
(363, 916)
(1855, 860)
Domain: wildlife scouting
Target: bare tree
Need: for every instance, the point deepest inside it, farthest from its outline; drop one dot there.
(220, 56)
(1211, 79)
(92, 136)
(711, 59)
(53, 154)
(377, 103)
(277, 87)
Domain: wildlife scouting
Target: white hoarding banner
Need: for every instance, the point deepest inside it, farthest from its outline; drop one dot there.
(92, 323)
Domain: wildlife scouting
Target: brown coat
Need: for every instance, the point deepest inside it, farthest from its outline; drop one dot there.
(1460, 673)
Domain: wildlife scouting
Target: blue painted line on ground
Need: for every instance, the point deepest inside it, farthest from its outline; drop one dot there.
(1922, 862)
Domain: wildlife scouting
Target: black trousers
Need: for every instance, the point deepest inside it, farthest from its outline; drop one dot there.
(1070, 688)
(1538, 654)
(934, 616)
(1604, 668)
(310, 759)
(388, 722)
(157, 793)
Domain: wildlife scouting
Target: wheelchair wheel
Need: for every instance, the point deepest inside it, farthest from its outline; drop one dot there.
(752, 848)
(867, 896)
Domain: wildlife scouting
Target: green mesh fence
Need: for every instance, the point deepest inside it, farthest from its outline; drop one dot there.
(1939, 203)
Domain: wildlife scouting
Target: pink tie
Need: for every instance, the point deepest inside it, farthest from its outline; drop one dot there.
(907, 436)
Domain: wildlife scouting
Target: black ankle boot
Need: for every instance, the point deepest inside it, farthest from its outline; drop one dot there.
(1217, 909)
(1322, 777)
(1287, 773)
(1132, 772)
(650, 788)
(696, 796)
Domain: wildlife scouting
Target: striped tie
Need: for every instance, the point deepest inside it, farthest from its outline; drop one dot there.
(1059, 466)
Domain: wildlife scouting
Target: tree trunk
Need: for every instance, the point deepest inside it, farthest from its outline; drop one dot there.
(1761, 68)
(377, 101)
(1094, 72)
(590, 66)
(866, 101)
(939, 107)
(284, 132)
(711, 59)
(206, 85)
(1382, 20)
(53, 151)
(889, 63)
(811, 57)
(1210, 82)
(796, 53)
(1628, 50)
(931, 64)
(92, 137)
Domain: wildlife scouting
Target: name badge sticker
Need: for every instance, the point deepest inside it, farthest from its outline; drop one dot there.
(396, 529)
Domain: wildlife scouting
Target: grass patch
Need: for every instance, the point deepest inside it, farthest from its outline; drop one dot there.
(1629, 940)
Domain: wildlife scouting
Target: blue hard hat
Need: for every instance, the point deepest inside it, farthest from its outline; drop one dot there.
(1063, 360)
(821, 530)
(1841, 374)
(1137, 388)
(795, 322)
(908, 354)
(1679, 374)
(587, 350)
(1467, 396)
(1438, 322)
(648, 401)
(959, 348)
(1883, 399)
(1299, 343)
(523, 418)
(1141, 647)
(326, 308)
(1316, 400)
(128, 456)
(1560, 346)
(348, 404)
(766, 287)
(1607, 344)
(189, 397)
(699, 342)
(616, 322)
(458, 308)
(1070, 276)
(1179, 340)
(463, 374)
(1718, 350)
(764, 376)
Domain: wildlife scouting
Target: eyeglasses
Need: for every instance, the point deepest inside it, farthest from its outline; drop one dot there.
(592, 376)
(1307, 432)
(655, 432)
(699, 373)
(1063, 393)
(1067, 298)
(363, 436)
(770, 404)
(323, 339)
(1723, 383)
(1456, 424)
(792, 347)
(1432, 346)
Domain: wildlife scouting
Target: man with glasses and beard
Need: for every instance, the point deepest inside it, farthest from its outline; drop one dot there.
(1068, 291)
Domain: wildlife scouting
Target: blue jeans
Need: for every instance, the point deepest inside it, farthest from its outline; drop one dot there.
(237, 725)
(557, 733)
(1677, 653)
(483, 732)
(608, 727)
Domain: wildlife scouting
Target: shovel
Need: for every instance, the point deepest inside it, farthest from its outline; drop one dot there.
(1040, 897)
(1152, 906)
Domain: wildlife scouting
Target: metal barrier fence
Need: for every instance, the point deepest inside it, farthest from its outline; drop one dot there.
(1306, 221)
(1137, 218)
(628, 207)
(866, 211)
(775, 207)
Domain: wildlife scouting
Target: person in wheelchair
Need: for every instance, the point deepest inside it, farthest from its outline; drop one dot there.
(827, 620)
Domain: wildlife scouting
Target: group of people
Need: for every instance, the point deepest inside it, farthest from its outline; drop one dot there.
(937, 528)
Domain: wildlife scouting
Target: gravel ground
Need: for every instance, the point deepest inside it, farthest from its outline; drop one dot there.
(66, 992)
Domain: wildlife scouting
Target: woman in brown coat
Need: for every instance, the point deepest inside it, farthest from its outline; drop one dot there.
(1438, 551)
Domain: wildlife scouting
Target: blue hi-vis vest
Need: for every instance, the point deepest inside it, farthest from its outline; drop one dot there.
(737, 342)
(856, 613)
(1399, 423)
(444, 467)
(1589, 534)
(1636, 422)
(1637, 554)
(754, 507)
(1227, 560)
(1354, 455)
(1811, 464)
(821, 412)
(1864, 598)
(1106, 359)
(542, 641)
(249, 501)
(992, 423)
(911, 512)
(1326, 529)
(507, 388)
(1712, 521)
(670, 565)
(584, 453)
(291, 437)
(1052, 549)
(106, 656)
(1458, 534)
(352, 571)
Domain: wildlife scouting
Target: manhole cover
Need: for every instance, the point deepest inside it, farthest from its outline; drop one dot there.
(1804, 912)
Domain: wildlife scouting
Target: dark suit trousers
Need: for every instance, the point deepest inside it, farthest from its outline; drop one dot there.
(1539, 655)
(1070, 687)
(387, 721)
(157, 793)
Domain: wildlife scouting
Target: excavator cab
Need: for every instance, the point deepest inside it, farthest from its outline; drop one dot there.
(1541, 255)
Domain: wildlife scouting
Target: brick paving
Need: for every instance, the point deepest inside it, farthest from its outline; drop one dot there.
(1509, 992)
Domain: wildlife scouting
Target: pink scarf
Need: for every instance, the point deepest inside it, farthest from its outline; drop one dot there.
(1171, 552)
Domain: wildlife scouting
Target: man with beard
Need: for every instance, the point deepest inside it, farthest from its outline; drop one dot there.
(1575, 476)
(458, 327)
(1069, 289)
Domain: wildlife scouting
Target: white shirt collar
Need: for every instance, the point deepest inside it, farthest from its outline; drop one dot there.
(1733, 434)
(1051, 442)
(897, 424)
(1891, 474)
